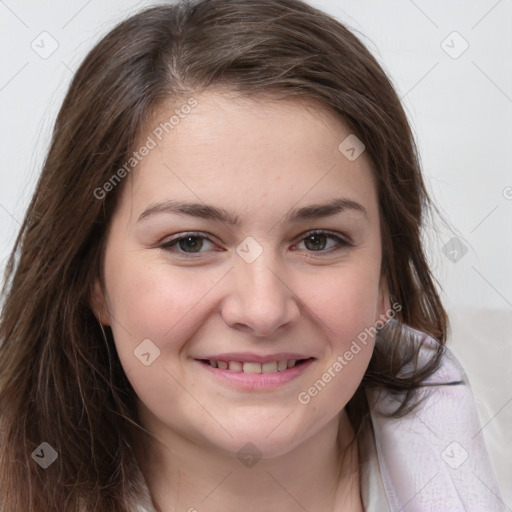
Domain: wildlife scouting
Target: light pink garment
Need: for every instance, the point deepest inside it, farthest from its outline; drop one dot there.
(434, 459)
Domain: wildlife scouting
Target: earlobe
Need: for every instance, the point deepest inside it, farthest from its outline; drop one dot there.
(99, 303)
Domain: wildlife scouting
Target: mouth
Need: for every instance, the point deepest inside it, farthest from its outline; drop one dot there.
(250, 374)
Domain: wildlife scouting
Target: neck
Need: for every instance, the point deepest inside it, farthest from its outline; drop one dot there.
(320, 474)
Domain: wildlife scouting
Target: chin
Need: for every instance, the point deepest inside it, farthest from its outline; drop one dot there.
(260, 437)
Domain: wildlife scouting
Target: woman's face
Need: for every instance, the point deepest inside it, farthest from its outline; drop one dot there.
(248, 287)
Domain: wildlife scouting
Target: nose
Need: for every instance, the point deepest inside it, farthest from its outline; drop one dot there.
(259, 301)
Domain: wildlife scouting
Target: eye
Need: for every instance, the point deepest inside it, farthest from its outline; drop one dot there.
(190, 243)
(314, 241)
(318, 241)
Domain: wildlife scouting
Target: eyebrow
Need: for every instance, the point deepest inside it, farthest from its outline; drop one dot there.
(209, 212)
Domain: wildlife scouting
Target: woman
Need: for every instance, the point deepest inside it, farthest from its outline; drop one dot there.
(219, 297)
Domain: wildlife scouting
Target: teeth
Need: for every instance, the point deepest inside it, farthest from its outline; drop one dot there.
(269, 367)
(252, 368)
(239, 366)
(236, 366)
(282, 365)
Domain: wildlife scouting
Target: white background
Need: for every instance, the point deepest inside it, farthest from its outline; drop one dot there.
(460, 109)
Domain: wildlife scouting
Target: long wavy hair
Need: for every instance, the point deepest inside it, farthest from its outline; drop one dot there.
(60, 382)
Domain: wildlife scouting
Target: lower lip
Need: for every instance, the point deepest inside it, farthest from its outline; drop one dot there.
(256, 381)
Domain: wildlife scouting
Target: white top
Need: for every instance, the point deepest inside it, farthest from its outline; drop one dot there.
(433, 459)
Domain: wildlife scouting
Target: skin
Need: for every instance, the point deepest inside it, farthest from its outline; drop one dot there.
(258, 159)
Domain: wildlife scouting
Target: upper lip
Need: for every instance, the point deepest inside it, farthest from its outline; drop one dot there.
(249, 357)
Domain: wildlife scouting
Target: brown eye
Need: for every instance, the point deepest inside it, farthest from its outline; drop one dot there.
(319, 242)
(188, 244)
(315, 242)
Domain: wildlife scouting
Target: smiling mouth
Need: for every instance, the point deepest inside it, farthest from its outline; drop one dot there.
(255, 368)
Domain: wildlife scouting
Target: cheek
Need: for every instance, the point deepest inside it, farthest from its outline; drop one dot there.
(153, 299)
(345, 301)
(150, 301)
(345, 309)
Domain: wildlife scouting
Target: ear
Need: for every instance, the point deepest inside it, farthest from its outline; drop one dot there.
(99, 303)
(383, 305)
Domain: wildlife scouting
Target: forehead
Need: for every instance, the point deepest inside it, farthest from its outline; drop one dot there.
(245, 150)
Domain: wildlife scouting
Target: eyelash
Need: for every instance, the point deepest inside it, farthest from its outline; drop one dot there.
(169, 245)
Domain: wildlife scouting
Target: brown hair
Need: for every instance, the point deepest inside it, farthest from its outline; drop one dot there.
(59, 382)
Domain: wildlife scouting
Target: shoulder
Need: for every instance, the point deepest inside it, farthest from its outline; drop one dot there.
(434, 457)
